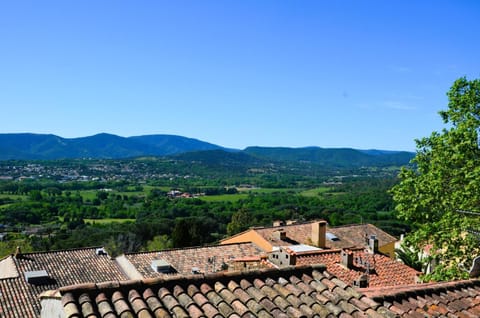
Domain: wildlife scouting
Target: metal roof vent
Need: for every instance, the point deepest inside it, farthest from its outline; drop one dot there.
(40, 277)
(101, 251)
(332, 237)
(161, 266)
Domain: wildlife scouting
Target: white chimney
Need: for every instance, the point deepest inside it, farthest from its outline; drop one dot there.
(373, 244)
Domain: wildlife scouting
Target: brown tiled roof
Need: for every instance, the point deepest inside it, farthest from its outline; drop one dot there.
(452, 299)
(207, 259)
(18, 298)
(307, 291)
(383, 271)
(301, 233)
(356, 234)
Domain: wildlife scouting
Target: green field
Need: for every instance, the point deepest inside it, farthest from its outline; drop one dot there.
(107, 221)
(266, 190)
(315, 192)
(242, 194)
(92, 194)
(224, 197)
(15, 197)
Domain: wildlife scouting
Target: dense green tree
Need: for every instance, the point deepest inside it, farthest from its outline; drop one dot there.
(126, 242)
(241, 220)
(158, 243)
(445, 179)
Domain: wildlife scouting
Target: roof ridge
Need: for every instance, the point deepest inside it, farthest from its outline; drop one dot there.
(148, 282)
(191, 248)
(330, 251)
(290, 225)
(5, 257)
(61, 250)
(254, 228)
(399, 291)
(350, 225)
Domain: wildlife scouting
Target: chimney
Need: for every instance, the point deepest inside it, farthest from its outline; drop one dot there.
(18, 252)
(361, 282)
(319, 230)
(278, 223)
(279, 234)
(347, 258)
(373, 244)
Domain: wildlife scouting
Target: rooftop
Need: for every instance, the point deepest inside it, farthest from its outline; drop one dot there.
(208, 259)
(382, 270)
(301, 233)
(451, 299)
(20, 298)
(306, 291)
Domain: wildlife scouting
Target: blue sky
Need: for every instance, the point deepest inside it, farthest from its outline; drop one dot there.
(361, 74)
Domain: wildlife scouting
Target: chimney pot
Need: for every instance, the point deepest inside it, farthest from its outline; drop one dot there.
(347, 258)
(373, 244)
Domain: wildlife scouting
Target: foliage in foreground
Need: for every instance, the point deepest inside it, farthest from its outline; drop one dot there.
(446, 180)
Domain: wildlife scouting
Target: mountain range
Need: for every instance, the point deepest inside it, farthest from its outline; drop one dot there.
(28, 146)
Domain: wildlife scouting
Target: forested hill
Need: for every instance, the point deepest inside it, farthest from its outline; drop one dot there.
(106, 146)
(342, 157)
(41, 146)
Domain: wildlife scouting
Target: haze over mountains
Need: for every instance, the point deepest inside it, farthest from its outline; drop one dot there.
(28, 146)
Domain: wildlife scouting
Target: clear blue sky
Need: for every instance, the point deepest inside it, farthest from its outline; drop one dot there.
(361, 74)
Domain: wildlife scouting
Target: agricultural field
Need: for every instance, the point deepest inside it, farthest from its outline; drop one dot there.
(45, 214)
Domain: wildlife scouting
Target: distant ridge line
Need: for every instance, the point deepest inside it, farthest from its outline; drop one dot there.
(31, 146)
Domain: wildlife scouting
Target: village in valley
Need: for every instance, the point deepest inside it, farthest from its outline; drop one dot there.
(239, 159)
(306, 268)
(227, 237)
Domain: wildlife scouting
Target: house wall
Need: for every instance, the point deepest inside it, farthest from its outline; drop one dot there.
(388, 249)
(250, 236)
(281, 258)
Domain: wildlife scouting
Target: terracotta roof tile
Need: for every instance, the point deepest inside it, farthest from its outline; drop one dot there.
(67, 267)
(206, 259)
(304, 291)
(301, 233)
(455, 299)
(383, 271)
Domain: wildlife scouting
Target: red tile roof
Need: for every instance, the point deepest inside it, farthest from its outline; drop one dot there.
(18, 298)
(307, 291)
(207, 259)
(451, 299)
(383, 271)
